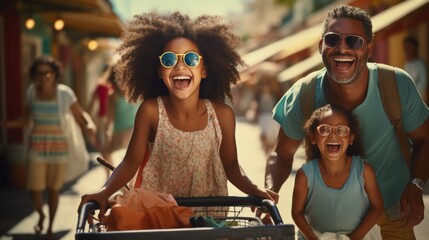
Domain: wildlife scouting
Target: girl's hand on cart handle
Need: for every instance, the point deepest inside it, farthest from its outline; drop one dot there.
(100, 199)
(273, 195)
(267, 194)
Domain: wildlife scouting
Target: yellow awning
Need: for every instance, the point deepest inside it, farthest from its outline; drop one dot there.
(92, 16)
(105, 25)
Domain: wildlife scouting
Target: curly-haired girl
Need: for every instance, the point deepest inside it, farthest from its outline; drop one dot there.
(182, 69)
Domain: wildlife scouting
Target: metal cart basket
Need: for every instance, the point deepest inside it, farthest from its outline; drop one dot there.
(233, 212)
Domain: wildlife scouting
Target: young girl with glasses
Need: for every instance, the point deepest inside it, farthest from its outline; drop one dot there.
(336, 194)
(183, 70)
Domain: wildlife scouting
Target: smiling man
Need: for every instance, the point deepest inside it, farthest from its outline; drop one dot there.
(350, 81)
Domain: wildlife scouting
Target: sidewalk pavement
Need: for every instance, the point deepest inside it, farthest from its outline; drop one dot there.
(17, 217)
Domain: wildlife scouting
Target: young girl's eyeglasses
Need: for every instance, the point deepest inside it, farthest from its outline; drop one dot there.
(354, 42)
(326, 129)
(170, 59)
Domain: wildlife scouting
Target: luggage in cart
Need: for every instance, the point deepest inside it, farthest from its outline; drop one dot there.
(232, 218)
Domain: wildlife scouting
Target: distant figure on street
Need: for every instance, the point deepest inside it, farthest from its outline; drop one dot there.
(267, 94)
(120, 120)
(415, 65)
(98, 107)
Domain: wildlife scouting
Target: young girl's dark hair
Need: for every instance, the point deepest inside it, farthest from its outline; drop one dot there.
(48, 60)
(312, 151)
(147, 34)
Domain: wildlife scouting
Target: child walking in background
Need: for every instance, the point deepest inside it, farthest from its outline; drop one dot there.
(120, 120)
(268, 93)
(183, 70)
(99, 105)
(336, 195)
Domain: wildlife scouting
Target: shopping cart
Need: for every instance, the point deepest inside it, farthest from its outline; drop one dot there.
(238, 222)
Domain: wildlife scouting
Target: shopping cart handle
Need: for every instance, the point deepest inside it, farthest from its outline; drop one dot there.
(87, 208)
(265, 204)
(219, 201)
(271, 207)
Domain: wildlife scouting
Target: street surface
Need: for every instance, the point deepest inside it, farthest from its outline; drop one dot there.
(19, 218)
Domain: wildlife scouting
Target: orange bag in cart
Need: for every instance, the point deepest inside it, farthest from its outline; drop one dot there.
(144, 209)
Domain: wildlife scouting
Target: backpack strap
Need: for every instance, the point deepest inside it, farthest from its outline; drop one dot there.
(308, 95)
(392, 106)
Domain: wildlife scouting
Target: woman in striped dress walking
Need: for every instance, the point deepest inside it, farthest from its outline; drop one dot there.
(55, 141)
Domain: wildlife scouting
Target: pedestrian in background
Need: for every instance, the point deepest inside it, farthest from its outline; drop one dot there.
(415, 65)
(56, 147)
(98, 107)
(120, 120)
(267, 94)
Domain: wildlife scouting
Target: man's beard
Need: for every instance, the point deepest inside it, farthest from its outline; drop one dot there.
(345, 80)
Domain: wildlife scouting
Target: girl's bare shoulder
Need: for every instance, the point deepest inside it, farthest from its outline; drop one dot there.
(148, 107)
(367, 167)
(225, 115)
(222, 109)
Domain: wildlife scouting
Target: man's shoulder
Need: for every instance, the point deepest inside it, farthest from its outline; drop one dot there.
(376, 66)
(307, 83)
(373, 66)
(317, 73)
